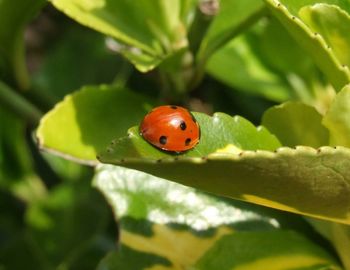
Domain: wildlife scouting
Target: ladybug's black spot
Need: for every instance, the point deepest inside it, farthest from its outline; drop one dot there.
(183, 125)
(173, 107)
(163, 140)
(188, 141)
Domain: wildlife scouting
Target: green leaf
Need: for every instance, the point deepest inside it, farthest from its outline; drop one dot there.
(338, 235)
(314, 44)
(295, 124)
(64, 225)
(220, 132)
(295, 5)
(333, 24)
(127, 257)
(13, 18)
(239, 67)
(233, 18)
(135, 195)
(15, 242)
(279, 50)
(57, 73)
(262, 250)
(243, 251)
(337, 118)
(15, 161)
(302, 180)
(148, 31)
(152, 213)
(84, 122)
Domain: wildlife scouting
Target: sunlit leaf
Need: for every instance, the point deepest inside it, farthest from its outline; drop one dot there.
(302, 180)
(333, 24)
(84, 122)
(165, 225)
(287, 12)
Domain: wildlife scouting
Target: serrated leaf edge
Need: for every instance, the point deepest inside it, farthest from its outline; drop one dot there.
(41, 141)
(244, 154)
(279, 7)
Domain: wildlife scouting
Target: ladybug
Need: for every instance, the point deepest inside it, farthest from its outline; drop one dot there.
(170, 128)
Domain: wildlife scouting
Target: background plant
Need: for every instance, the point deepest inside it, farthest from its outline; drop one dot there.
(281, 64)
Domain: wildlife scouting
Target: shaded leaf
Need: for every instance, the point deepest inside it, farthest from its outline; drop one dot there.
(15, 160)
(279, 50)
(64, 70)
(91, 118)
(15, 242)
(239, 67)
(296, 124)
(61, 224)
(337, 118)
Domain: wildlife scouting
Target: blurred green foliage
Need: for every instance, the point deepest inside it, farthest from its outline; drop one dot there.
(235, 57)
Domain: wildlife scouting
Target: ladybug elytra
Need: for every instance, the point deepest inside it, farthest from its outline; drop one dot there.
(170, 128)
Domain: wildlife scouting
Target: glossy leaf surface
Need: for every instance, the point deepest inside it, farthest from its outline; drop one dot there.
(168, 226)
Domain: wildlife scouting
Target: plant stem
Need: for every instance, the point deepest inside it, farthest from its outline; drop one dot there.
(206, 52)
(19, 64)
(198, 30)
(19, 105)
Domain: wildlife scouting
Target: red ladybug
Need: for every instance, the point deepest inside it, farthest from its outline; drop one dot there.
(170, 128)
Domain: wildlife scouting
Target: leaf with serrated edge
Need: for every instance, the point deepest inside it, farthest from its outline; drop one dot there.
(313, 43)
(85, 121)
(218, 133)
(333, 24)
(302, 180)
